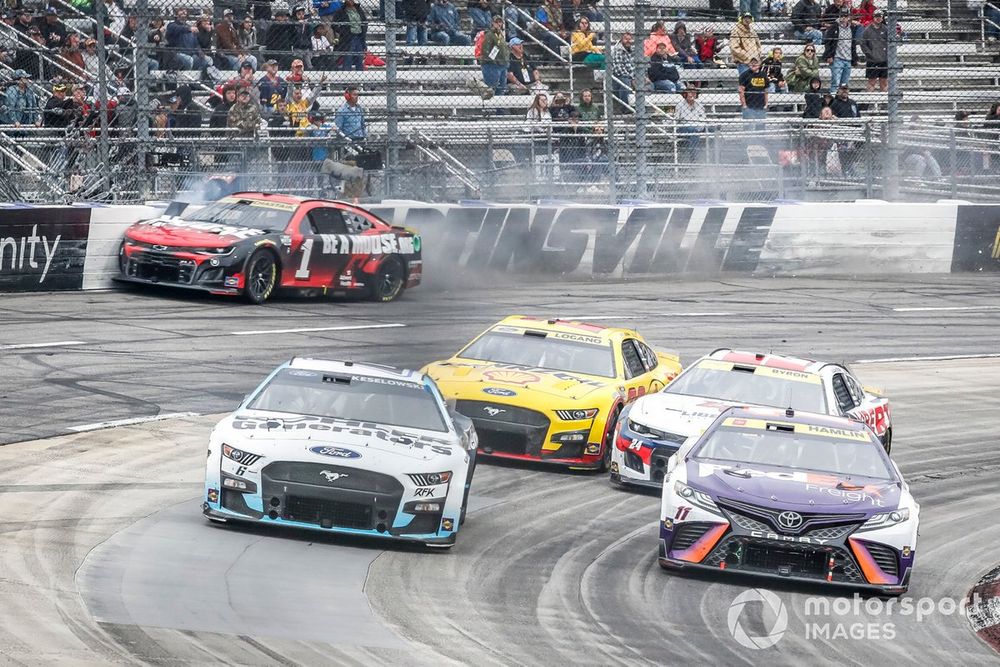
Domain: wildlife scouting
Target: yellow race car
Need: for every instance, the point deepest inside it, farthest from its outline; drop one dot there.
(551, 390)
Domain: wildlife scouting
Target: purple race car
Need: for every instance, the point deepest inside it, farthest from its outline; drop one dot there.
(797, 496)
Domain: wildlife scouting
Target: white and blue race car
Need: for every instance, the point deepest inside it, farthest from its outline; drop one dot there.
(344, 447)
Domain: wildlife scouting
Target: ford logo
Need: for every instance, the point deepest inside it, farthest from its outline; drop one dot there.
(499, 391)
(790, 520)
(335, 452)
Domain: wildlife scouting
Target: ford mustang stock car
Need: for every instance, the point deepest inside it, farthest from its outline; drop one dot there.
(789, 494)
(551, 390)
(652, 428)
(253, 243)
(344, 447)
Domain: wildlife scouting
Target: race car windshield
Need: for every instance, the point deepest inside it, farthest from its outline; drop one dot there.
(364, 398)
(848, 457)
(539, 352)
(244, 213)
(750, 388)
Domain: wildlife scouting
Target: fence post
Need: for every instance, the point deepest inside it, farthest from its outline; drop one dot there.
(391, 103)
(890, 175)
(102, 96)
(641, 113)
(609, 107)
(953, 152)
(142, 97)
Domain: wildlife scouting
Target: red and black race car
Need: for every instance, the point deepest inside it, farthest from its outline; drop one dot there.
(252, 243)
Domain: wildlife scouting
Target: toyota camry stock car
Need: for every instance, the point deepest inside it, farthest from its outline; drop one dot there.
(652, 428)
(253, 243)
(551, 390)
(789, 494)
(344, 447)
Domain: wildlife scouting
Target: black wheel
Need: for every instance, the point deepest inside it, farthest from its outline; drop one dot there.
(261, 277)
(609, 440)
(887, 443)
(389, 281)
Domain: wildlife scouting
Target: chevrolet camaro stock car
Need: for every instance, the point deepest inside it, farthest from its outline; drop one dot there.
(253, 243)
(655, 426)
(790, 494)
(551, 390)
(344, 447)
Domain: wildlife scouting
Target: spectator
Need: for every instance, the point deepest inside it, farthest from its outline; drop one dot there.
(692, 123)
(875, 46)
(53, 30)
(575, 10)
(658, 35)
(550, 15)
(220, 115)
(182, 39)
(681, 42)
(157, 37)
(206, 40)
(247, 34)
(587, 109)
(29, 57)
(841, 52)
(272, 87)
(806, 16)
(831, 15)
(231, 52)
(316, 126)
(59, 110)
(495, 57)
(350, 117)
(91, 60)
(8, 39)
(561, 107)
(772, 70)
(120, 80)
(114, 19)
(572, 146)
(622, 67)
(662, 73)
(126, 42)
(445, 26)
(24, 21)
(753, 92)
(71, 58)
(481, 15)
(279, 117)
(325, 9)
(352, 28)
(708, 46)
(843, 106)
(744, 44)
(244, 115)
(805, 69)
(245, 80)
(297, 73)
(816, 98)
(416, 13)
(186, 115)
(538, 112)
(323, 50)
(522, 72)
(750, 7)
(298, 107)
(583, 46)
(303, 31)
(279, 38)
(864, 15)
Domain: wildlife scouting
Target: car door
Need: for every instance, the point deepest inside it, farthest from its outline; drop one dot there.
(639, 363)
(324, 251)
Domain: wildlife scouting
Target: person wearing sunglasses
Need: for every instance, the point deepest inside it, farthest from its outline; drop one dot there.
(806, 68)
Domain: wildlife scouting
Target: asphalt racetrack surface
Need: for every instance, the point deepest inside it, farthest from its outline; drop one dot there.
(105, 557)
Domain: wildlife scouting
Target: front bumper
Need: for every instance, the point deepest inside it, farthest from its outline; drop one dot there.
(215, 274)
(212, 289)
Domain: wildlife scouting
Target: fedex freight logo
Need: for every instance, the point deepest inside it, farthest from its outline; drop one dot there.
(335, 452)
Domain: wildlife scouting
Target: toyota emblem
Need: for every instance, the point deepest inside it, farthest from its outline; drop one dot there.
(790, 520)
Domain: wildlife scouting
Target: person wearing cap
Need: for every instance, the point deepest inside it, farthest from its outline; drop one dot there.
(744, 44)
(24, 22)
(843, 106)
(841, 51)
(751, 7)
(303, 29)
(352, 31)
(20, 102)
(350, 116)
(875, 46)
(272, 87)
(753, 91)
(806, 16)
(53, 29)
(521, 72)
(91, 59)
(244, 115)
(662, 72)
(445, 25)
(227, 40)
(495, 57)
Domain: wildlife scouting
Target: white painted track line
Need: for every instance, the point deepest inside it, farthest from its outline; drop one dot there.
(597, 318)
(128, 422)
(927, 309)
(263, 332)
(946, 357)
(26, 346)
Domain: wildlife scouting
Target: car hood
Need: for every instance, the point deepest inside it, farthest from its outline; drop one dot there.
(775, 487)
(285, 436)
(472, 380)
(676, 413)
(178, 233)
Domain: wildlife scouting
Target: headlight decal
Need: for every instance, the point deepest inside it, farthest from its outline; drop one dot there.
(697, 498)
(240, 456)
(577, 415)
(886, 519)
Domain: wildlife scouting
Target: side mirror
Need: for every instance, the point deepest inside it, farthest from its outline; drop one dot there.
(671, 463)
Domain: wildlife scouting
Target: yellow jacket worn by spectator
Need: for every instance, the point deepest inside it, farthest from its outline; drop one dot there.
(298, 107)
(744, 43)
(583, 47)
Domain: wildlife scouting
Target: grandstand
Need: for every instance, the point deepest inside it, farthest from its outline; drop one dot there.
(442, 135)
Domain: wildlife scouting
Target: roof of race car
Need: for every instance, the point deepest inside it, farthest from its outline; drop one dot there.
(282, 198)
(568, 327)
(767, 360)
(791, 417)
(356, 368)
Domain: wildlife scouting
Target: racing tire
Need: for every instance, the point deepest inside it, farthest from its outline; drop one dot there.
(261, 277)
(389, 280)
(887, 444)
(609, 440)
